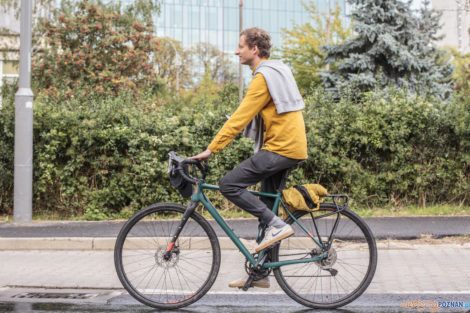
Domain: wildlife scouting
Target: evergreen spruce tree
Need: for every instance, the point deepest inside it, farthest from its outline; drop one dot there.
(392, 47)
(436, 78)
(301, 44)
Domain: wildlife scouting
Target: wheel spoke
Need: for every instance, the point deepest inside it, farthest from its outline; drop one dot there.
(166, 280)
(342, 275)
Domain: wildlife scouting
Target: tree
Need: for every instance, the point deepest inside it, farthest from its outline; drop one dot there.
(436, 78)
(462, 70)
(209, 57)
(301, 45)
(94, 51)
(392, 47)
(174, 63)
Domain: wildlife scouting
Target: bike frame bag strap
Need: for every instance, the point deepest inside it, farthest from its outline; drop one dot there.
(304, 197)
(308, 200)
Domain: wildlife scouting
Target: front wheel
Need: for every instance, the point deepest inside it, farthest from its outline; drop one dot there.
(347, 268)
(159, 279)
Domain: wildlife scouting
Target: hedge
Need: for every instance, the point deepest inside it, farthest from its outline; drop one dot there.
(107, 157)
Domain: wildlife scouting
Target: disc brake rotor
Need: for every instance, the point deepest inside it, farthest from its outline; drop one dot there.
(329, 261)
(160, 257)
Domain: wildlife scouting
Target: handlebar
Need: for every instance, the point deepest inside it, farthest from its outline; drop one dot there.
(179, 164)
(188, 177)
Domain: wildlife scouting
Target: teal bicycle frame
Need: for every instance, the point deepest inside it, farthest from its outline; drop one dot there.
(199, 196)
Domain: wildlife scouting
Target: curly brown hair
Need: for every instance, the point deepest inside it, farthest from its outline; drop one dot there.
(258, 37)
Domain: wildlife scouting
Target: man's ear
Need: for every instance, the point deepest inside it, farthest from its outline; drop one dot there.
(255, 50)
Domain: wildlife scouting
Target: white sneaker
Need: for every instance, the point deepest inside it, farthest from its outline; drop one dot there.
(240, 283)
(274, 235)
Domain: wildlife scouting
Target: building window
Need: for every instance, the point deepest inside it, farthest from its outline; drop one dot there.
(217, 21)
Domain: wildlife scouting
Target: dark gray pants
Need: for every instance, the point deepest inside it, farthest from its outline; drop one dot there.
(264, 166)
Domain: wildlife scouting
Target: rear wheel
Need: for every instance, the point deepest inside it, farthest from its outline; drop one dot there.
(159, 279)
(347, 268)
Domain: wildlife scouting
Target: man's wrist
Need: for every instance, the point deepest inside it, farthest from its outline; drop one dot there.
(212, 149)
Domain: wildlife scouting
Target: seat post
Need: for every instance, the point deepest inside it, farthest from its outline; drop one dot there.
(285, 177)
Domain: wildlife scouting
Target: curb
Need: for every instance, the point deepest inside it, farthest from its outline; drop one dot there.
(98, 243)
(107, 243)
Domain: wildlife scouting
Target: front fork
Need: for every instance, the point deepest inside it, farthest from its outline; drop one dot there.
(187, 213)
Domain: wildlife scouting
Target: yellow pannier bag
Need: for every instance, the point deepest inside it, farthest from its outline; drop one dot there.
(305, 197)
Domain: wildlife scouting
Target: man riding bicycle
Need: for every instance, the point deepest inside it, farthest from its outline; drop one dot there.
(271, 109)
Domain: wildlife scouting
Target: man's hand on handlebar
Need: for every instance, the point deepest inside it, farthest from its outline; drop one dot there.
(203, 155)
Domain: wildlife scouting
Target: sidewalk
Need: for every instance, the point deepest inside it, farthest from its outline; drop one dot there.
(415, 269)
(80, 255)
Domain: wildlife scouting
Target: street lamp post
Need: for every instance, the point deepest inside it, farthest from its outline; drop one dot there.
(23, 163)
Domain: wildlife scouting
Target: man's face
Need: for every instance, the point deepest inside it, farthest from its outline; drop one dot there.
(246, 54)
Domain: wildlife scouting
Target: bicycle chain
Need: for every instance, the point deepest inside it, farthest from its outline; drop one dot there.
(256, 273)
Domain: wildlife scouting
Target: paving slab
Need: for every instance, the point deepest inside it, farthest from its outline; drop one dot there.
(424, 269)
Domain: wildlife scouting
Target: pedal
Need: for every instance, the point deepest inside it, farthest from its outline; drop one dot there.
(248, 283)
(271, 246)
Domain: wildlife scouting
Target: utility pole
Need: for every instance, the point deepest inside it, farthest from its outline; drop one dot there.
(23, 164)
(240, 69)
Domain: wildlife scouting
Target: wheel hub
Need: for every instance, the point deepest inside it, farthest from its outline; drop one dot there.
(163, 261)
(329, 260)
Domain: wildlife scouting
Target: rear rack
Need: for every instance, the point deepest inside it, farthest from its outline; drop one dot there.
(336, 197)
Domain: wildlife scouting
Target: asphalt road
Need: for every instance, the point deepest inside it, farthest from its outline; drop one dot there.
(260, 303)
(382, 227)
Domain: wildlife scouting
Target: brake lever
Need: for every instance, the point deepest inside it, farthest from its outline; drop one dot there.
(206, 167)
(193, 171)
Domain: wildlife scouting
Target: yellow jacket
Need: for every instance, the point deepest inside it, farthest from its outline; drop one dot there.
(284, 133)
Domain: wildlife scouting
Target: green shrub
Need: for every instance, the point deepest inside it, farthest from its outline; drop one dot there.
(107, 157)
(389, 148)
(7, 128)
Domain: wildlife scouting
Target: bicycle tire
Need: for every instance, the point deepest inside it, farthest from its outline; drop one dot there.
(148, 233)
(311, 274)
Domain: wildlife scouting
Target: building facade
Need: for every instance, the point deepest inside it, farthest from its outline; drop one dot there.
(9, 55)
(192, 21)
(217, 21)
(10, 39)
(9, 45)
(455, 21)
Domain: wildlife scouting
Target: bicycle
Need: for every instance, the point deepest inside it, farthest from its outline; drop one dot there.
(167, 256)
